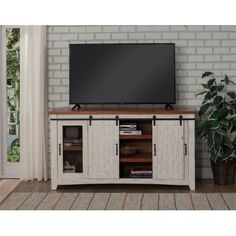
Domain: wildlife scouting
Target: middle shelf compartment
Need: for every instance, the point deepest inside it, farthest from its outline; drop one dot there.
(136, 149)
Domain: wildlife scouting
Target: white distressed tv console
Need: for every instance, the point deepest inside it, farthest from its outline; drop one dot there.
(87, 148)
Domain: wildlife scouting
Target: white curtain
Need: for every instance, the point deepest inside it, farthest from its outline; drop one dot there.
(33, 104)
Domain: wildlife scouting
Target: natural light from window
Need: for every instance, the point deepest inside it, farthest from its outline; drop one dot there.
(13, 93)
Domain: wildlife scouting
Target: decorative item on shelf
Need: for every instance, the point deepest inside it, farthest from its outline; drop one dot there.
(72, 142)
(68, 168)
(218, 126)
(130, 128)
(140, 173)
(128, 150)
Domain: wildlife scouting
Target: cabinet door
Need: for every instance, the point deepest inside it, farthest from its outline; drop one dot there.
(104, 150)
(72, 149)
(168, 153)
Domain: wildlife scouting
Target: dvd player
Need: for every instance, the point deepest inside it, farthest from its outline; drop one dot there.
(130, 132)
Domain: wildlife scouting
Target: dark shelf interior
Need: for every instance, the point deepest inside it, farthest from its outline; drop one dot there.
(141, 146)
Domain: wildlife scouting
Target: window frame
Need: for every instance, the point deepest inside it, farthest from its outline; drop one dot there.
(7, 169)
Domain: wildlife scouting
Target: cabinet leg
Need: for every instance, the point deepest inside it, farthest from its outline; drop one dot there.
(192, 186)
(53, 185)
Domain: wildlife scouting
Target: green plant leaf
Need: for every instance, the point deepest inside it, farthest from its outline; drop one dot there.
(220, 87)
(208, 96)
(227, 153)
(204, 108)
(212, 124)
(232, 95)
(233, 106)
(227, 142)
(204, 86)
(214, 115)
(221, 131)
(213, 89)
(227, 81)
(210, 82)
(223, 113)
(210, 141)
(207, 74)
(200, 93)
(213, 154)
(217, 140)
(233, 128)
(217, 101)
(225, 123)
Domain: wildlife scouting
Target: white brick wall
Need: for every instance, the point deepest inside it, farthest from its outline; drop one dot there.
(198, 49)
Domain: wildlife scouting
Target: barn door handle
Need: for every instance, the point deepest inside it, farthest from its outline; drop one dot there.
(59, 149)
(116, 149)
(155, 149)
(185, 149)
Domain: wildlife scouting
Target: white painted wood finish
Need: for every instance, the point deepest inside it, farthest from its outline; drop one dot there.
(84, 125)
(104, 150)
(168, 162)
(171, 165)
(191, 154)
(54, 153)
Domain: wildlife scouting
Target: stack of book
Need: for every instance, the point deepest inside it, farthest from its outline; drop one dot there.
(140, 173)
(129, 128)
(72, 142)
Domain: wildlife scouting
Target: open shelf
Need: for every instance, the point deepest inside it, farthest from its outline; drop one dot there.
(72, 148)
(145, 136)
(142, 158)
(138, 158)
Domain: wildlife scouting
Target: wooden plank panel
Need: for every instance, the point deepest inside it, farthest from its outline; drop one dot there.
(230, 199)
(32, 201)
(166, 201)
(183, 201)
(99, 201)
(66, 201)
(14, 201)
(116, 201)
(191, 154)
(82, 201)
(168, 137)
(54, 152)
(133, 201)
(103, 160)
(216, 201)
(6, 187)
(150, 201)
(117, 111)
(200, 201)
(49, 201)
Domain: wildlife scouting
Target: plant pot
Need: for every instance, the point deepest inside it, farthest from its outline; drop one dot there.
(224, 172)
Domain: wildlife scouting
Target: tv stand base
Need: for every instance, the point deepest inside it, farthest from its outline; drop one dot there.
(76, 105)
(168, 107)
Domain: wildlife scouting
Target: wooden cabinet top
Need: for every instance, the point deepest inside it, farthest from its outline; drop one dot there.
(123, 111)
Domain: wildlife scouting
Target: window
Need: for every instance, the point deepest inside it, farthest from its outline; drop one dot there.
(13, 93)
(10, 100)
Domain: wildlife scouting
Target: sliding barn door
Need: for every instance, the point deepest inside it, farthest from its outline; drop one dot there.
(168, 157)
(104, 150)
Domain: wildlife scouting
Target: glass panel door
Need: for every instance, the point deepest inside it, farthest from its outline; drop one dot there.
(72, 148)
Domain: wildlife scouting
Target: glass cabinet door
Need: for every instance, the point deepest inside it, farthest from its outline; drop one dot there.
(72, 148)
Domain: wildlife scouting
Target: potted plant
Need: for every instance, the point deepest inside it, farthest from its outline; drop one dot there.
(218, 125)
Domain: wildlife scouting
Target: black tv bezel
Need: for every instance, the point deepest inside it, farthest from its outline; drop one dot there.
(123, 103)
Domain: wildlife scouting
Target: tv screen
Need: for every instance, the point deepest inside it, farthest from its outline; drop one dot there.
(122, 73)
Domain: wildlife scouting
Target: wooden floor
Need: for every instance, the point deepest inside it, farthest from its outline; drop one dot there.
(38, 196)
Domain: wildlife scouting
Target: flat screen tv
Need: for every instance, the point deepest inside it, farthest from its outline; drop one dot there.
(122, 73)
